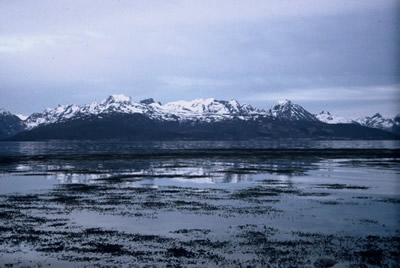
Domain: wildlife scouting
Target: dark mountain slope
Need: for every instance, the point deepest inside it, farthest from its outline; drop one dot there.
(140, 127)
(10, 124)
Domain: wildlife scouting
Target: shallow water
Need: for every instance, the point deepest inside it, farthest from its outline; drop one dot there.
(111, 147)
(200, 204)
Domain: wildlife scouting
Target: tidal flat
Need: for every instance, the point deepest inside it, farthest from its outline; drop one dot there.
(192, 206)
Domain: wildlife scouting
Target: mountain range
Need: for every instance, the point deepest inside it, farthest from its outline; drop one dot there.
(119, 117)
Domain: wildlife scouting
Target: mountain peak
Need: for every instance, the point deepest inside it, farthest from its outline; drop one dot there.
(148, 101)
(327, 117)
(376, 121)
(325, 112)
(284, 102)
(285, 109)
(4, 111)
(377, 115)
(117, 98)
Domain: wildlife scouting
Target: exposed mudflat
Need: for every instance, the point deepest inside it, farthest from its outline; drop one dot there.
(199, 208)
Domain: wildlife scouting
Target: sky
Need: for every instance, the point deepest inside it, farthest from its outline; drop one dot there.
(337, 55)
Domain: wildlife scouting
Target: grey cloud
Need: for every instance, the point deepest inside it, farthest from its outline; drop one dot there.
(74, 51)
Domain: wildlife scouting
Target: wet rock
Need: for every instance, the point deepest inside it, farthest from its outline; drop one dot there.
(324, 262)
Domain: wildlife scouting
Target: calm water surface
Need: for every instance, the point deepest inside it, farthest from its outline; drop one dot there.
(65, 147)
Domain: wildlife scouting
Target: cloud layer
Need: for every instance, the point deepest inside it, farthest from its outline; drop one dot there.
(337, 53)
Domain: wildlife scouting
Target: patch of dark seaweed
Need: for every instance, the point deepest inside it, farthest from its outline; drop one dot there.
(206, 243)
(12, 215)
(119, 178)
(5, 215)
(138, 177)
(368, 221)
(372, 256)
(79, 258)
(52, 247)
(139, 190)
(171, 191)
(254, 237)
(362, 197)
(81, 188)
(389, 200)
(23, 198)
(337, 186)
(330, 202)
(34, 219)
(213, 191)
(99, 231)
(337, 202)
(313, 235)
(317, 194)
(263, 171)
(114, 249)
(4, 229)
(253, 193)
(192, 231)
(115, 200)
(66, 199)
(37, 174)
(257, 192)
(193, 205)
(264, 228)
(272, 182)
(17, 239)
(58, 224)
(154, 205)
(180, 252)
(324, 263)
(146, 238)
(250, 210)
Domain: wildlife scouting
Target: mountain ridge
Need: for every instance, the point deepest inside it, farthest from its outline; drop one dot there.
(197, 116)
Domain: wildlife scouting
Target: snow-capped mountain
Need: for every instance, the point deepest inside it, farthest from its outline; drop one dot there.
(329, 118)
(10, 124)
(198, 109)
(287, 110)
(207, 110)
(376, 121)
(119, 117)
(210, 106)
(4, 112)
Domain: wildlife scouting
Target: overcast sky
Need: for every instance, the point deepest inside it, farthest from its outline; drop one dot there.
(342, 56)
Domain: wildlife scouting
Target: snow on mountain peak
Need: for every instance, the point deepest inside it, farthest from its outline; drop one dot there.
(285, 109)
(149, 101)
(116, 98)
(377, 115)
(4, 112)
(284, 102)
(22, 117)
(329, 118)
(196, 106)
(210, 107)
(376, 121)
(207, 110)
